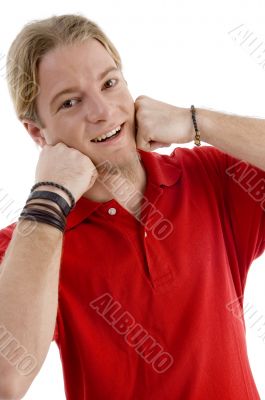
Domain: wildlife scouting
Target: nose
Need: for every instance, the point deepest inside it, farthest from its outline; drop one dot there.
(98, 108)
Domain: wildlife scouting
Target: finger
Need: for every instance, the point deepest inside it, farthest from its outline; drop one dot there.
(157, 145)
(142, 143)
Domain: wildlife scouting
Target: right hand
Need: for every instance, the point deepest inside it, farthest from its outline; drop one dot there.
(66, 166)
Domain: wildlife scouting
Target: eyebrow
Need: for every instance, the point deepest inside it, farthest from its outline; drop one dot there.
(74, 89)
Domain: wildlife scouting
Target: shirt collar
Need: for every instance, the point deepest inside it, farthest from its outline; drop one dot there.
(161, 169)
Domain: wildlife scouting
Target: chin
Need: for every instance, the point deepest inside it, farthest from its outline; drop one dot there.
(126, 158)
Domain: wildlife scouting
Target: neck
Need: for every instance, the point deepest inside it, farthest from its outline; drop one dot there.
(124, 183)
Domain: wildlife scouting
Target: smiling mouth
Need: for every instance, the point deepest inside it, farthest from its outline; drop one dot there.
(110, 136)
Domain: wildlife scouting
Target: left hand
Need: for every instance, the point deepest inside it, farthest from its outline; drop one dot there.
(160, 124)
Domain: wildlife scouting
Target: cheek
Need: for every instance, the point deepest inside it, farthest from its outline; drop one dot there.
(129, 98)
(63, 130)
(127, 103)
(125, 95)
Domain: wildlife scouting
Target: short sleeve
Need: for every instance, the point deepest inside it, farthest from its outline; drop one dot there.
(245, 197)
(5, 238)
(243, 190)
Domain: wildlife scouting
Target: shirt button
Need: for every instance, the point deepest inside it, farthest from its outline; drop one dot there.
(145, 234)
(112, 211)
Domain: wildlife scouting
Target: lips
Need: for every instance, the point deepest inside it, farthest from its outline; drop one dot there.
(106, 135)
(112, 138)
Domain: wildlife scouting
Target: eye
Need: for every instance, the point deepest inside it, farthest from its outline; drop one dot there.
(110, 81)
(69, 103)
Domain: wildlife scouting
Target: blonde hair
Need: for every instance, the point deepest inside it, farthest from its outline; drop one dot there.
(32, 43)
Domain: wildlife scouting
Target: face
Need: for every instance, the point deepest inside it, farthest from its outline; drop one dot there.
(82, 97)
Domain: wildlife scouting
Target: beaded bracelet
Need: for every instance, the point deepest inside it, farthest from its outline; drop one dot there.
(197, 139)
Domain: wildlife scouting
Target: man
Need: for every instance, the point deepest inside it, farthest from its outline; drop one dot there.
(153, 260)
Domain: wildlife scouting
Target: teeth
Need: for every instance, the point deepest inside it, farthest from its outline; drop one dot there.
(107, 135)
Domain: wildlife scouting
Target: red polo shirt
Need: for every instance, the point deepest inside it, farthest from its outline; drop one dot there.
(149, 311)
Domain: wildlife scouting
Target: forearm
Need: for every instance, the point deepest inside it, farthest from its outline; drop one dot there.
(29, 295)
(241, 137)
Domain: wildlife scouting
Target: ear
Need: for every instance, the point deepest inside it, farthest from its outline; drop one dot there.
(35, 132)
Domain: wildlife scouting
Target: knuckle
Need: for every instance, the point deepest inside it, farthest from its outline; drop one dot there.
(141, 97)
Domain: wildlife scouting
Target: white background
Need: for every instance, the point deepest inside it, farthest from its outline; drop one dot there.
(180, 52)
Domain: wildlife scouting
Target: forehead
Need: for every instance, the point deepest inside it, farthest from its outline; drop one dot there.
(73, 62)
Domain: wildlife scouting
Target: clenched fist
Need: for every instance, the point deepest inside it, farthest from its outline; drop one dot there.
(160, 124)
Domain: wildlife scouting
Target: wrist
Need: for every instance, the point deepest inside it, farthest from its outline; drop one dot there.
(202, 117)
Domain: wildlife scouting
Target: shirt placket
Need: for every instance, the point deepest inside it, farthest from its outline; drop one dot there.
(161, 273)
